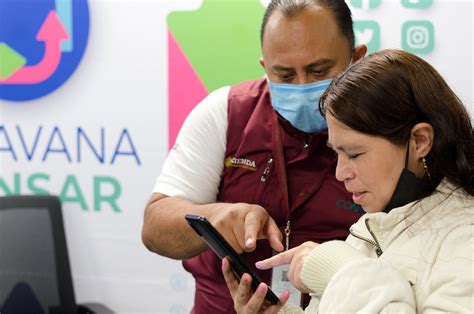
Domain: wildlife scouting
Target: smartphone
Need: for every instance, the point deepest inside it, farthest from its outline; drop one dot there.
(223, 249)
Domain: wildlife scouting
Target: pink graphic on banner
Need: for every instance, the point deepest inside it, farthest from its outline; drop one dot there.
(185, 89)
(52, 33)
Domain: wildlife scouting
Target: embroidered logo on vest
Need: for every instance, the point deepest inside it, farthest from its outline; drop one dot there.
(350, 206)
(240, 163)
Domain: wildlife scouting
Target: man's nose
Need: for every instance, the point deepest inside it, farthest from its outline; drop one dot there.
(303, 78)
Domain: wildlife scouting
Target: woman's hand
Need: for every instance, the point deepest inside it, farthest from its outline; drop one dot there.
(295, 257)
(244, 301)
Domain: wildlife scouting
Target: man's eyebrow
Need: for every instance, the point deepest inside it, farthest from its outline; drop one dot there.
(281, 68)
(320, 62)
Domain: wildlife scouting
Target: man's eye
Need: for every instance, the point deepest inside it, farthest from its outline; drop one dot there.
(319, 72)
(286, 78)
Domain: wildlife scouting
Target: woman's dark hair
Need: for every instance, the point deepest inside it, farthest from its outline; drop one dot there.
(388, 92)
(339, 9)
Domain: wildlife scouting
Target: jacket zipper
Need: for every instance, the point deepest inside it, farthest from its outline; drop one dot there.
(263, 179)
(375, 242)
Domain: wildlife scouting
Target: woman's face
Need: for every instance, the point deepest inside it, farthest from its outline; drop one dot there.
(369, 166)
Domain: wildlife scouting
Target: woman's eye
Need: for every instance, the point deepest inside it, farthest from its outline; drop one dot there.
(354, 156)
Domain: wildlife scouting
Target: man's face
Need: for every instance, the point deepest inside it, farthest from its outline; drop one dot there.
(304, 48)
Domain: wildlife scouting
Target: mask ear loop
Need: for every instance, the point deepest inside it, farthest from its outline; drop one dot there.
(350, 60)
(406, 155)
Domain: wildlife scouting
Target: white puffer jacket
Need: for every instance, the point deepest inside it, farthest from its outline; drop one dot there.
(426, 261)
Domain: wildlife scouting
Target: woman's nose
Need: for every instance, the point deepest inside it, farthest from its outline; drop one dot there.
(343, 171)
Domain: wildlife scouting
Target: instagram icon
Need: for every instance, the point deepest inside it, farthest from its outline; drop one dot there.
(418, 37)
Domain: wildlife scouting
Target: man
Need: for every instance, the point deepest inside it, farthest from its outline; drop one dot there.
(253, 159)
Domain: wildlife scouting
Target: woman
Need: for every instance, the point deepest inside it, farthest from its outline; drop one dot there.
(405, 149)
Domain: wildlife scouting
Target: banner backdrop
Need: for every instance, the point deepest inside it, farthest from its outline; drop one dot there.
(93, 93)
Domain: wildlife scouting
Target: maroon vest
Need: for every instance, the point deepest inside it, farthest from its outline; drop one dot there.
(290, 173)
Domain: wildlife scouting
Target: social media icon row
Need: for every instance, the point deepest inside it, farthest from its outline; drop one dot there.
(417, 36)
(372, 4)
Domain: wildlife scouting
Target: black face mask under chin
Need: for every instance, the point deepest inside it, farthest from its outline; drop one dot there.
(410, 188)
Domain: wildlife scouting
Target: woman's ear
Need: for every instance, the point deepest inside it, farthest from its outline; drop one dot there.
(422, 136)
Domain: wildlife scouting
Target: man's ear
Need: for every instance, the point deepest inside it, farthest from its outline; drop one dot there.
(262, 63)
(359, 52)
(422, 136)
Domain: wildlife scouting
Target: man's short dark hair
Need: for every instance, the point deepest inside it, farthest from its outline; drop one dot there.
(339, 9)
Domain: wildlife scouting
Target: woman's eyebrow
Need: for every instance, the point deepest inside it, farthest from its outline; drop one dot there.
(343, 148)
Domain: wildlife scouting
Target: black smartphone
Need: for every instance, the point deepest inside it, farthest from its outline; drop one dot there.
(223, 249)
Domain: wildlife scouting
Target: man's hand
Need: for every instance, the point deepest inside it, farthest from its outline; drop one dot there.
(166, 232)
(295, 257)
(242, 224)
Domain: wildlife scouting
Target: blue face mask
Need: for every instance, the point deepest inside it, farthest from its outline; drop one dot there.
(298, 104)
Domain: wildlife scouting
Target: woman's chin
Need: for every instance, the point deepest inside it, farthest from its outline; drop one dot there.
(371, 209)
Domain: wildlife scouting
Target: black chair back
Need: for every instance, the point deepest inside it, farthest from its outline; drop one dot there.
(35, 276)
